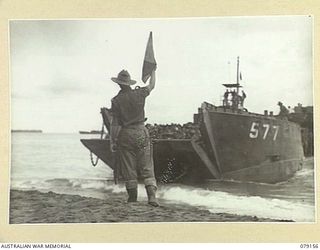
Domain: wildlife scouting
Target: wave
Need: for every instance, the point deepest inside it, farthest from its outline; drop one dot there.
(211, 200)
(222, 202)
(62, 183)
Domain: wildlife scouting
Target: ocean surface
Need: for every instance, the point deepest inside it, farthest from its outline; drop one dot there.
(60, 163)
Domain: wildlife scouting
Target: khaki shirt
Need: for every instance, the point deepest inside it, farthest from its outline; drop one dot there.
(128, 106)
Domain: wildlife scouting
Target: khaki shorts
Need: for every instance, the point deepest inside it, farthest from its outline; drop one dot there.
(135, 156)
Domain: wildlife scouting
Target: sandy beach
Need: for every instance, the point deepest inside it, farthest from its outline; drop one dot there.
(38, 207)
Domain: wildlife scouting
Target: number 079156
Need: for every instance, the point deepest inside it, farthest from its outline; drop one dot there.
(309, 245)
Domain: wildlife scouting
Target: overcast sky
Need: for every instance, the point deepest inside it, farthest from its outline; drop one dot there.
(61, 69)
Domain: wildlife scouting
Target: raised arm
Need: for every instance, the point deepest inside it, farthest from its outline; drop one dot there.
(152, 81)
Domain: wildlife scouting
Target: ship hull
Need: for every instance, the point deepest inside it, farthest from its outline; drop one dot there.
(268, 172)
(175, 160)
(252, 147)
(233, 145)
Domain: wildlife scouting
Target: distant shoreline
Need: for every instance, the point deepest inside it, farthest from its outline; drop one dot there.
(90, 132)
(26, 131)
(47, 132)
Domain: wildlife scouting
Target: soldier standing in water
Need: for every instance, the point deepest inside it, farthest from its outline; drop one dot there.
(130, 137)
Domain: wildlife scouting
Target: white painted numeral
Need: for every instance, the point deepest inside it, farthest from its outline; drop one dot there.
(267, 127)
(254, 132)
(276, 132)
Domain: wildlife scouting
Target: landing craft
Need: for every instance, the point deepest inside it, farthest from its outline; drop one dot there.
(229, 143)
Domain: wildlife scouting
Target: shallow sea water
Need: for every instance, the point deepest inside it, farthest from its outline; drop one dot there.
(60, 163)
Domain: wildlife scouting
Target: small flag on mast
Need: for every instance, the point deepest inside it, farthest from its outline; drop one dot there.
(149, 63)
(240, 76)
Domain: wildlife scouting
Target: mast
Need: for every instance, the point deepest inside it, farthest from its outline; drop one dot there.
(238, 75)
(234, 89)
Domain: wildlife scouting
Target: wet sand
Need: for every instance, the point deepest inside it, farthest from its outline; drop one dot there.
(38, 207)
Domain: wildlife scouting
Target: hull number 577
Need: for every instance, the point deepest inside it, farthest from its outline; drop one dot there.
(264, 129)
